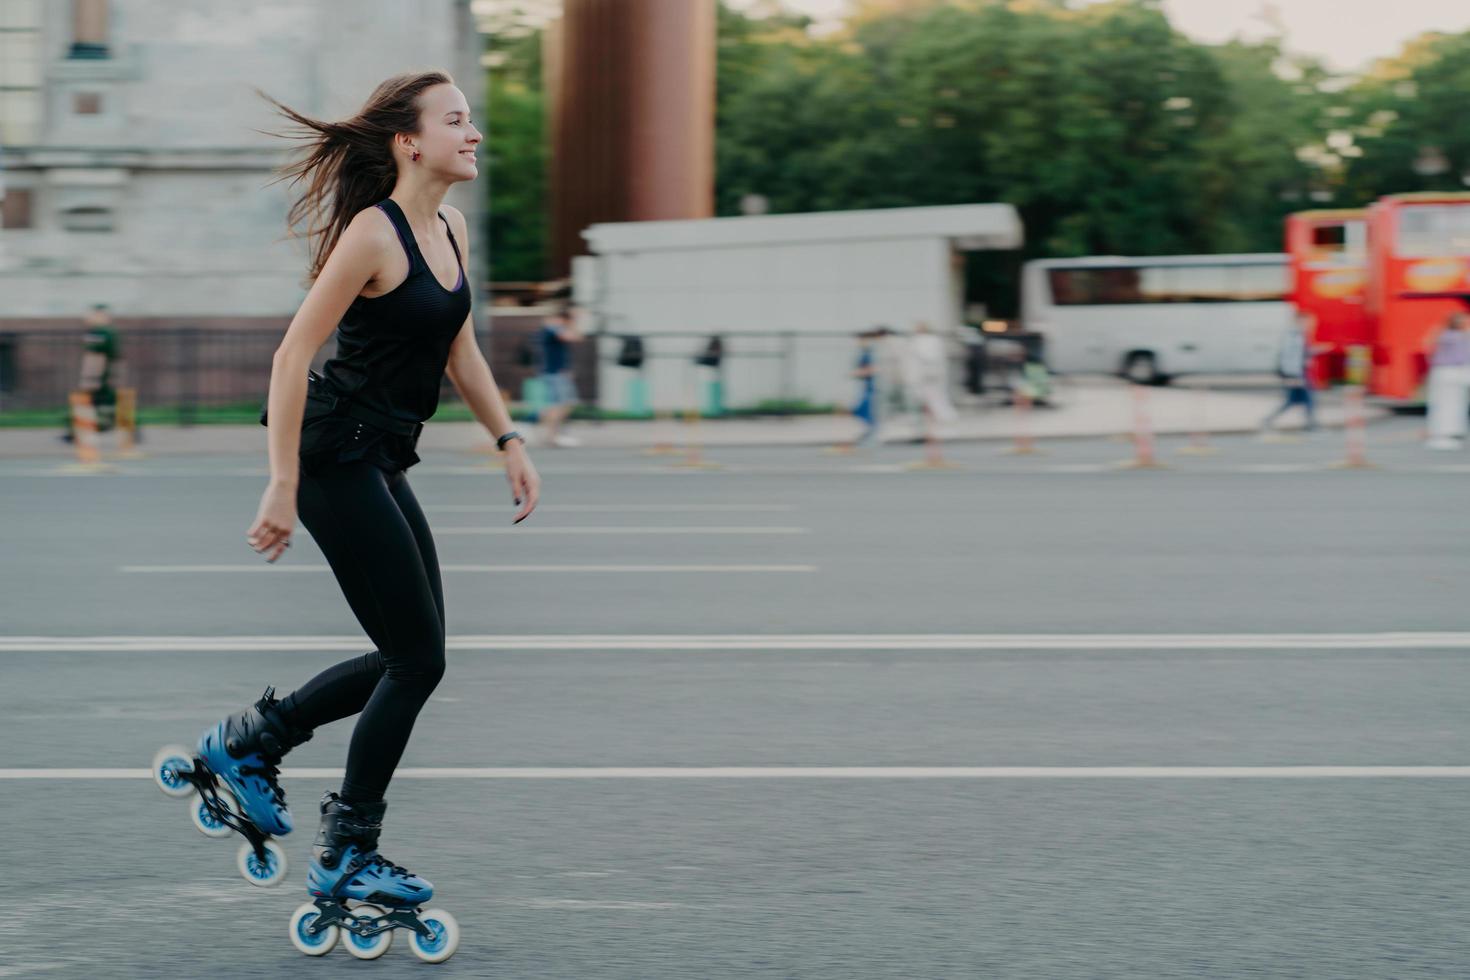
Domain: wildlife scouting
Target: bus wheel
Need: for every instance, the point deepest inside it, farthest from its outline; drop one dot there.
(1141, 368)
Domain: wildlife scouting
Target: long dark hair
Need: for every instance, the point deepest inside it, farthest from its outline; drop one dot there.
(349, 164)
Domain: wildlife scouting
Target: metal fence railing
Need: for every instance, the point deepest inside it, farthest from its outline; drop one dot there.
(789, 370)
(188, 370)
(185, 368)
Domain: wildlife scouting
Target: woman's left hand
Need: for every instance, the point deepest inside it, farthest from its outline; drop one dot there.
(525, 482)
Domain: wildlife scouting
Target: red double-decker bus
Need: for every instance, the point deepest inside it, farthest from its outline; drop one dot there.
(1329, 275)
(1418, 274)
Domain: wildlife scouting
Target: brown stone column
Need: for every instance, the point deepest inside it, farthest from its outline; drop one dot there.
(632, 86)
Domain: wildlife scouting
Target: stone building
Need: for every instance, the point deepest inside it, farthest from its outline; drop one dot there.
(131, 166)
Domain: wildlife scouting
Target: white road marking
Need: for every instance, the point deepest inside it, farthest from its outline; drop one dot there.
(618, 569)
(974, 467)
(612, 508)
(832, 772)
(639, 531)
(908, 642)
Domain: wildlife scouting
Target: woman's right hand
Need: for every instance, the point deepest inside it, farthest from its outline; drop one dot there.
(274, 521)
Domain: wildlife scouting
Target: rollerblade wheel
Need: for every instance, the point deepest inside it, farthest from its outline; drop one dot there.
(367, 947)
(208, 822)
(169, 766)
(263, 873)
(319, 943)
(444, 941)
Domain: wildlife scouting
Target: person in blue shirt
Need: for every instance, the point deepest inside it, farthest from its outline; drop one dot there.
(866, 373)
(1293, 366)
(558, 333)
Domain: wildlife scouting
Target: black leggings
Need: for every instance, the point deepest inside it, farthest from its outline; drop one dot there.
(377, 541)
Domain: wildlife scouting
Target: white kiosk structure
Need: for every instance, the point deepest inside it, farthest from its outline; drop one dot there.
(785, 292)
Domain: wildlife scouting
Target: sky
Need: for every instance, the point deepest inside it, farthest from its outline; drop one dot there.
(1345, 34)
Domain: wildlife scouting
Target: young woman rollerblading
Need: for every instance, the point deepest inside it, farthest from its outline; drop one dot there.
(388, 273)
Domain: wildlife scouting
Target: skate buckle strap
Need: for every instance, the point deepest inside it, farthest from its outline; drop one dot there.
(271, 773)
(348, 873)
(362, 862)
(393, 869)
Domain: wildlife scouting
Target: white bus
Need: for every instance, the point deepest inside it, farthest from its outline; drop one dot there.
(1150, 319)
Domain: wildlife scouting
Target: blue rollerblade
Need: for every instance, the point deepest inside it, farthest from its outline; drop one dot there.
(346, 866)
(234, 772)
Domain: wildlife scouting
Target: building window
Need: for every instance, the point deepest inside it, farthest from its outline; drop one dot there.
(86, 103)
(87, 219)
(89, 29)
(20, 72)
(15, 208)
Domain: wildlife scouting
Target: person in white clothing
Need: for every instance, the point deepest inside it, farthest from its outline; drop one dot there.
(927, 375)
(1449, 383)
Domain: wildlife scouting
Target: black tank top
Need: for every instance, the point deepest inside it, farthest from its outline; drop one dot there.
(391, 354)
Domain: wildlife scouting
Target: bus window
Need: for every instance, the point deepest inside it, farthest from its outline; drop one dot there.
(1071, 287)
(1121, 286)
(1260, 283)
(1094, 286)
(1329, 238)
(1341, 242)
(1430, 230)
(1132, 285)
(1201, 283)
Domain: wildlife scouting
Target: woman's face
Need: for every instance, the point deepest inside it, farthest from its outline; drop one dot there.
(447, 140)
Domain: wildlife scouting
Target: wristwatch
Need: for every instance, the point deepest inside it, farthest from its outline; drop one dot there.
(512, 434)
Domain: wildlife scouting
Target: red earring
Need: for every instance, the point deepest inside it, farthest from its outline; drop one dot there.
(415, 155)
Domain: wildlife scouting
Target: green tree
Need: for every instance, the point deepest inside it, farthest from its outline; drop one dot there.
(1273, 158)
(1106, 128)
(517, 154)
(1408, 111)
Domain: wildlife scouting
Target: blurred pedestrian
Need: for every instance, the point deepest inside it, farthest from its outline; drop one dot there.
(100, 354)
(927, 379)
(1449, 382)
(558, 332)
(866, 372)
(890, 357)
(1292, 367)
(1034, 381)
(975, 358)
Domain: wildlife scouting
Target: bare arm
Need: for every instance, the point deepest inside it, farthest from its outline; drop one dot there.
(355, 260)
(470, 374)
(467, 367)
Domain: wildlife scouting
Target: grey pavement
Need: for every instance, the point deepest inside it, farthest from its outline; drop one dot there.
(881, 876)
(1082, 408)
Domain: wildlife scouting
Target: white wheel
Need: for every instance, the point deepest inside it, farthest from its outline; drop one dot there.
(170, 761)
(444, 942)
(265, 874)
(318, 944)
(371, 947)
(209, 825)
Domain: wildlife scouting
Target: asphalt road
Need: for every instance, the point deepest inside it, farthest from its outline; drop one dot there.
(1027, 595)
